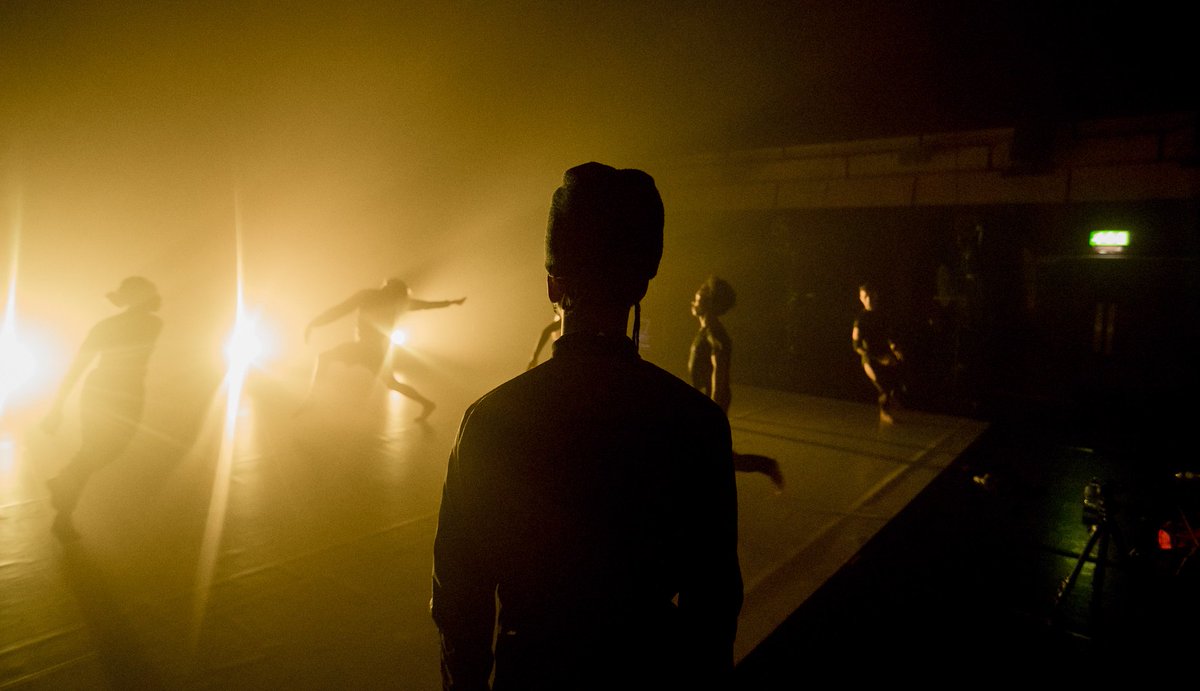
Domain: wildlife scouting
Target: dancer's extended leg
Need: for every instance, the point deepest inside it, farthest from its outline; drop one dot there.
(427, 405)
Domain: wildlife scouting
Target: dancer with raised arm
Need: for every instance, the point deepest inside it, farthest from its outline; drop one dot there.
(379, 311)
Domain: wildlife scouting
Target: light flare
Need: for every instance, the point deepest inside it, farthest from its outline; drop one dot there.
(246, 346)
(399, 337)
(243, 348)
(16, 361)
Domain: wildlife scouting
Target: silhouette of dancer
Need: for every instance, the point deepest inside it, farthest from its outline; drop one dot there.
(379, 310)
(711, 359)
(112, 398)
(592, 496)
(881, 357)
(552, 330)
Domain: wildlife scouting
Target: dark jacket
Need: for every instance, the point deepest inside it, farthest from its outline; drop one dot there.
(594, 497)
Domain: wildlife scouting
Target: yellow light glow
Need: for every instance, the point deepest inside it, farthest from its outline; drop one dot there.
(7, 457)
(16, 361)
(399, 337)
(17, 364)
(242, 349)
(245, 347)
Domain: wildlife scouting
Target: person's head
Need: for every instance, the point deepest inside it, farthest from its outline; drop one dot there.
(866, 295)
(604, 238)
(136, 292)
(395, 286)
(713, 298)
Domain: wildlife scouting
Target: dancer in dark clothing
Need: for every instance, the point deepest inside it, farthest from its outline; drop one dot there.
(881, 357)
(593, 496)
(113, 393)
(379, 310)
(711, 359)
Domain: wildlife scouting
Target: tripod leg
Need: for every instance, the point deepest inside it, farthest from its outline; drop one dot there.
(1099, 573)
(1069, 581)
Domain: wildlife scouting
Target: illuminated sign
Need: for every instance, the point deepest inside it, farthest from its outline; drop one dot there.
(1109, 238)
(1108, 241)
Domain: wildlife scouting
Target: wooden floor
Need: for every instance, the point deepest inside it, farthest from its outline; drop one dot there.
(265, 549)
(846, 475)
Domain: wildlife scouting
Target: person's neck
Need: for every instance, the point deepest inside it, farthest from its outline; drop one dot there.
(603, 320)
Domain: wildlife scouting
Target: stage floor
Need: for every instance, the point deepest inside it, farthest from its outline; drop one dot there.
(294, 551)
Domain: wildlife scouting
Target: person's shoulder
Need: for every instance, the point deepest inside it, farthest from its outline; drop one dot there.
(156, 325)
(99, 332)
(503, 398)
(116, 324)
(659, 382)
(718, 336)
(681, 410)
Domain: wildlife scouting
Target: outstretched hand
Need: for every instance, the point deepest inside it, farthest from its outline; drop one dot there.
(458, 301)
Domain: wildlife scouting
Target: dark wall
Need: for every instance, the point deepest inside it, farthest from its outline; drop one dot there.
(991, 303)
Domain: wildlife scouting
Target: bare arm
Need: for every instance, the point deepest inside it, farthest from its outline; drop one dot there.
(334, 313)
(721, 347)
(83, 359)
(856, 341)
(414, 304)
(721, 392)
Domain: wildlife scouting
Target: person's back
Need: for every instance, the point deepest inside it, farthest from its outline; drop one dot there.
(607, 486)
(377, 316)
(123, 344)
(593, 496)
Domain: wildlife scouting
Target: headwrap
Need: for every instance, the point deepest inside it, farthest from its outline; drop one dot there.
(605, 233)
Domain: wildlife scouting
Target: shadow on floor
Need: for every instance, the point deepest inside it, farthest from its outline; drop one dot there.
(968, 576)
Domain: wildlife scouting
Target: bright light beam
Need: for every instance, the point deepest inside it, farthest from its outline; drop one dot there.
(16, 362)
(399, 337)
(242, 348)
(245, 347)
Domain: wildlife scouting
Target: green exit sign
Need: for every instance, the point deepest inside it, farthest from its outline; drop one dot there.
(1109, 238)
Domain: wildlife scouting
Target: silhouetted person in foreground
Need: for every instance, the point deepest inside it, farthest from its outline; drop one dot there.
(548, 335)
(593, 496)
(881, 357)
(379, 311)
(710, 362)
(113, 394)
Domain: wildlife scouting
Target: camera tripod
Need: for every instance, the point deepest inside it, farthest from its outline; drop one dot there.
(1102, 529)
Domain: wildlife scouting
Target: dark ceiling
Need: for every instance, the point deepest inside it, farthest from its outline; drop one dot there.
(935, 65)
